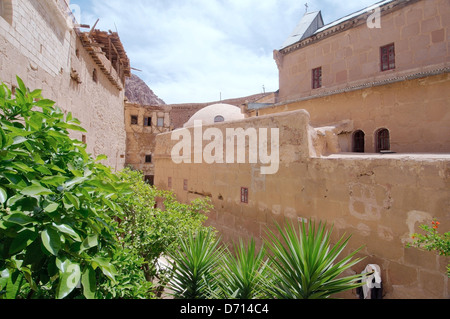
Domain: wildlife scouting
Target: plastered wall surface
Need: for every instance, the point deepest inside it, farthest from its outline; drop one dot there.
(416, 112)
(141, 136)
(40, 47)
(351, 57)
(378, 199)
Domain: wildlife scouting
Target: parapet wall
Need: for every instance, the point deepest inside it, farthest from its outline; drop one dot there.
(378, 199)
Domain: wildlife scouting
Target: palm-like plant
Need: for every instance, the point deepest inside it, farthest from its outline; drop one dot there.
(305, 266)
(244, 273)
(194, 266)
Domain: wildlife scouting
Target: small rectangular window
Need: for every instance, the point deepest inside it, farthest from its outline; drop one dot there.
(160, 122)
(185, 184)
(134, 120)
(244, 195)
(148, 121)
(317, 78)
(388, 57)
(148, 158)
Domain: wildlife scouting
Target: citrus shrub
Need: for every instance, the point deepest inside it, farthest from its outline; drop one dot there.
(151, 231)
(57, 203)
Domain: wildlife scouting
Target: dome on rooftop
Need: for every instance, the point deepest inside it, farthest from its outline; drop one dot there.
(216, 113)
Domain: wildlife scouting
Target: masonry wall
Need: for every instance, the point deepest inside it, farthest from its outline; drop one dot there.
(39, 46)
(416, 112)
(379, 200)
(419, 31)
(140, 140)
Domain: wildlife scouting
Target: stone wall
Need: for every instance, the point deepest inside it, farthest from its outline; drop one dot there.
(378, 199)
(415, 111)
(40, 46)
(141, 136)
(349, 53)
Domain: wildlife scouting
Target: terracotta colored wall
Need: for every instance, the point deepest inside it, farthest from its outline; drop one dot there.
(39, 47)
(420, 32)
(416, 112)
(379, 200)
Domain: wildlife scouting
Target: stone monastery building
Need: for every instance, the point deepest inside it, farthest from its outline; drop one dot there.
(363, 112)
(82, 70)
(362, 115)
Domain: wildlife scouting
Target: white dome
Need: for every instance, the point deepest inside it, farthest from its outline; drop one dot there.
(216, 113)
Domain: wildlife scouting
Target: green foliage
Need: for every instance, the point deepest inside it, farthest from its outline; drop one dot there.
(304, 264)
(244, 272)
(195, 265)
(57, 211)
(151, 232)
(301, 265)
(432, 240)
(131, 282)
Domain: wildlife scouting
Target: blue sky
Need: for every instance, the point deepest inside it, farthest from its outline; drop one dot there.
(195, 51)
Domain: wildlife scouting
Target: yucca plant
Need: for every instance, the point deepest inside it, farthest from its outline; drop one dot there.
(244, 272)
(305, 265)
(194, 266)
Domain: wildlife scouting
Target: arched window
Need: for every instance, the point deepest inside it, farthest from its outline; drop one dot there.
(383, 140)
(219, 119)
(359, 142)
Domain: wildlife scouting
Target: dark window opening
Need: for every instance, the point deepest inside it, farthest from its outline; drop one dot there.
(148, 158)
(388, 57)
(83, 139)
(148, 121)
(383, 140)
(95, 76)
(185, 184)
(244, 195)
(219, 119)
(317, 78)
(359, 142)
(150, 179)
(134, 120)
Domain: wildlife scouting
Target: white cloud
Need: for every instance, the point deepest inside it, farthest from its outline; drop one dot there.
(195, 50)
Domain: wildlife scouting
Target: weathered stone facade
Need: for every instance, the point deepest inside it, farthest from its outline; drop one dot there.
(142, 124)
(378, 197)
(141, 135)
(39, 43)
(410, 100)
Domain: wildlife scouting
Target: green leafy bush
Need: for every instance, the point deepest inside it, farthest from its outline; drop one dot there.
(57, 227)
(432, 240)
(151, 232)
